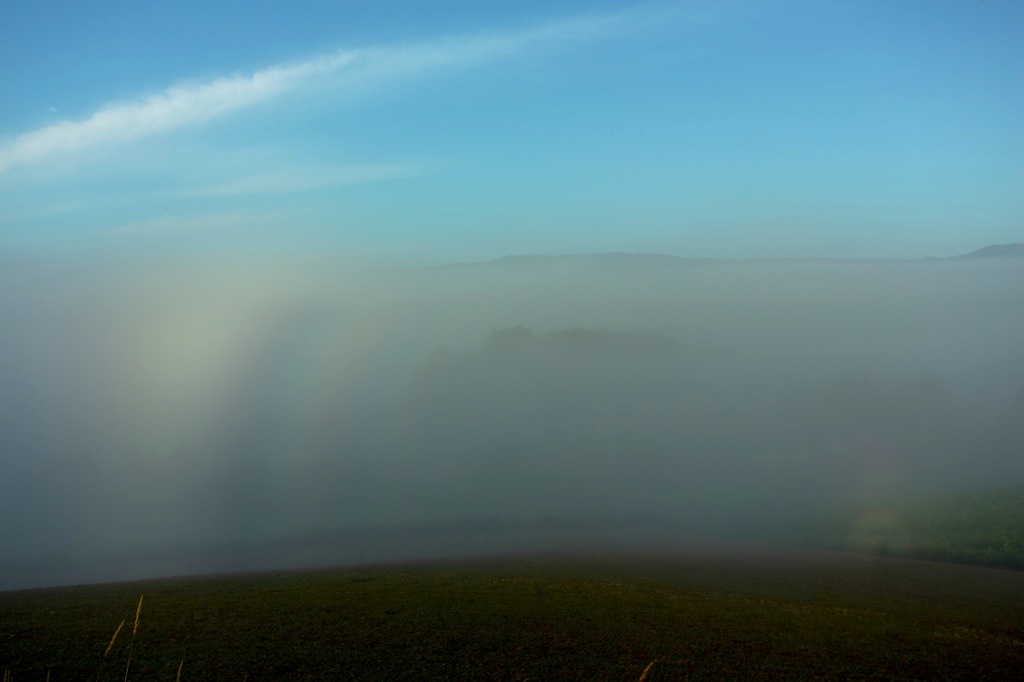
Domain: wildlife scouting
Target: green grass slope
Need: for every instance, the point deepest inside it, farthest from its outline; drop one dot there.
(713, 613)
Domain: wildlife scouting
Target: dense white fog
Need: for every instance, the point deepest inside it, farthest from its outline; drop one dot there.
(157, 413)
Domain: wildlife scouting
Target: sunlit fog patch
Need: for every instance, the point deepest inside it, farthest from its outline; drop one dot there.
(874, 528)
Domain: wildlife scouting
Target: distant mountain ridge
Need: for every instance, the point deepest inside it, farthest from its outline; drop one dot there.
(1015, 250)
(663, 261)
(646, 259)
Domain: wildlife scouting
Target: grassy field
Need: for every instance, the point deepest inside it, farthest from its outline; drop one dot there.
(716, 612)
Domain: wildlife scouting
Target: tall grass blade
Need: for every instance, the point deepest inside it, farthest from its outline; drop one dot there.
(113, 639)
(135, 627)
(107, 651)
(138, 610)
(647, 670)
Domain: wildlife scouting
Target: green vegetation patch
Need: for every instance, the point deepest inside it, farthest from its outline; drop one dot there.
(981, 528)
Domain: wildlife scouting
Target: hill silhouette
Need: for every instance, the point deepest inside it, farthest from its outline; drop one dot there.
(658, 261)
(1015, 250)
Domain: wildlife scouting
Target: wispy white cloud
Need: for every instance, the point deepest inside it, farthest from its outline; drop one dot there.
(193, 103)
(304, 179)
(37, 212)
(174, 224)
(173, 108)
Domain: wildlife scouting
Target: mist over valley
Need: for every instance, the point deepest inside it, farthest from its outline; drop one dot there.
(188, 416)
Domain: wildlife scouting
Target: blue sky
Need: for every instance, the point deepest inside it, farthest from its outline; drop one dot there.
(418, 133)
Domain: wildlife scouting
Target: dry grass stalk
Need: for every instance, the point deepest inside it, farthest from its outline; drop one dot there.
(109, 647)
(647, 670)
(113, 639)
(135, 627)
(178, 678)
(138, 610)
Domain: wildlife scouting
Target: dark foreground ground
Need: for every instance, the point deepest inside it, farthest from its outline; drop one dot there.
(715, 612)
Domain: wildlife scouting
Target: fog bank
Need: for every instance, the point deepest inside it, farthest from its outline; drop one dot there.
(152, 410)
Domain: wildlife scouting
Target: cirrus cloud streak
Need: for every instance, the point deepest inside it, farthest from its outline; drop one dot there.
(194, 103)
(304, 179)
